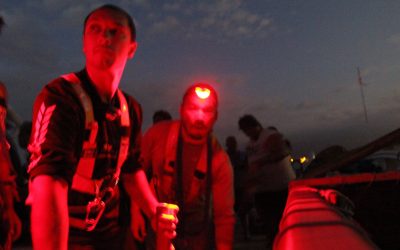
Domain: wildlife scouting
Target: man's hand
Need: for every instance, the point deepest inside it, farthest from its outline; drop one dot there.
(138, 224)
(165, 223)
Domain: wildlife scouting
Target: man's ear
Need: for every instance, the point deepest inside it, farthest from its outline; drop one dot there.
(132, 50)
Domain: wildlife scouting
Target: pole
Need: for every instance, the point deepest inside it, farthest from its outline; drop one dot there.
(362, 94)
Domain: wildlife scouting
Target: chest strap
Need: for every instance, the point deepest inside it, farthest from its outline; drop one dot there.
(82, 180)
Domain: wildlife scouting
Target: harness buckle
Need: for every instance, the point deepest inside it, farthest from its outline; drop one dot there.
(96, 207)
(94, 211)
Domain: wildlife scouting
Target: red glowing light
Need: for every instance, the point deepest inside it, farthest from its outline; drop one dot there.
(202, 93)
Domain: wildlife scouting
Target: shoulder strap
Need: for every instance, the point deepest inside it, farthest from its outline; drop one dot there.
(82, 180)
(124, 143)
(170, 146)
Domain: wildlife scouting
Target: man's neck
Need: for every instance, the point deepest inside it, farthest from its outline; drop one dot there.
(105, 82)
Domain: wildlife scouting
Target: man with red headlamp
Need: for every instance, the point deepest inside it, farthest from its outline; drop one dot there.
(191, 169)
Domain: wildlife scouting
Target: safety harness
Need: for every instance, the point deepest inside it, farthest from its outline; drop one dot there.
(179, 184)
(167, 181)
(82, 180)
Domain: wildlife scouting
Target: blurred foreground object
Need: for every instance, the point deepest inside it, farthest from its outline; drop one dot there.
(320, 219)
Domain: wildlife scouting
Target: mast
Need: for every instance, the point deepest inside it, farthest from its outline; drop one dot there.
(362, 94)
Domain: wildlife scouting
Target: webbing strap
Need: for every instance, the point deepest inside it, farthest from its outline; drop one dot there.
(86, 162)
(82, 180)
(124, 143)
(179, 182)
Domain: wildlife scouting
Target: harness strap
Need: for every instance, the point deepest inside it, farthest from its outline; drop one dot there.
(124, 143)
(179, 182)
(82, 180)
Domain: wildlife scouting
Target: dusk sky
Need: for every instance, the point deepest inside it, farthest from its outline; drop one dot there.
(293, 64)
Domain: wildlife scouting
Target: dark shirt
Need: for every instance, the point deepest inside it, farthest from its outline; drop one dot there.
(59, 130)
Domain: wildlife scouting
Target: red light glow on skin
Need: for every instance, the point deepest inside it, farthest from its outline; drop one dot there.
(198, 114)
(202, 93)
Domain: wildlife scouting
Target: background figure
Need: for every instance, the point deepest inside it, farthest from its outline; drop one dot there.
(85, 146)
(191, 169)
(270, 171)
(161, 115)
(1, 23)
(10, 224)
(22, 182)
(239, 163)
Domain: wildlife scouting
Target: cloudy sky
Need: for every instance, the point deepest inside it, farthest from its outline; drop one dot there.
(291, 63)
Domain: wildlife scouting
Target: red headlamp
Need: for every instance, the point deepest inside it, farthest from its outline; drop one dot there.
(202, 93)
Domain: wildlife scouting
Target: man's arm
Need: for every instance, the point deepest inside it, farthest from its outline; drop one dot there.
(49, 214)
(138, 190)
(140, 196)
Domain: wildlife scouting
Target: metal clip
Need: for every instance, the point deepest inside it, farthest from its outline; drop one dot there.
(94, 211)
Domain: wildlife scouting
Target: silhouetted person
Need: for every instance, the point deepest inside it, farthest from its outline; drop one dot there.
(10, 224)
(239, 163)
(161, 115)
(270, 170)
(1, 23)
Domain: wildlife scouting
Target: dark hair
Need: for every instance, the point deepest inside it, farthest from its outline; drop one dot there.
(192, 88)
(248, 121)
(161, 115)
(128, 17)
(1, 23)
(24, 133)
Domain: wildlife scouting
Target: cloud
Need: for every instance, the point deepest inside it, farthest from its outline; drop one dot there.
(394, 40)
(226, 19)
(172, 6)
(165, 25)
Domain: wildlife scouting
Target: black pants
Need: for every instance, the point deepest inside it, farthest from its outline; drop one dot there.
(270, 206)
(115, 238)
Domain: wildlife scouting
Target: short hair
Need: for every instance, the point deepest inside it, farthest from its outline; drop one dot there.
(128, 17)
(248, 121)
(24, 133)
(192, 88)
(1, 23)
(161, 115)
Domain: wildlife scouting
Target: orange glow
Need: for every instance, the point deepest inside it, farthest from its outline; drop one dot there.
(202, 93)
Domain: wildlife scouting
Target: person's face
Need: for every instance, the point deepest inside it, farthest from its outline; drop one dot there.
(107, 40)
(198, 116)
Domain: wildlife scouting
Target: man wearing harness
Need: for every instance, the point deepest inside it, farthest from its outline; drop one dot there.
(85, 138)
(191, 169)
